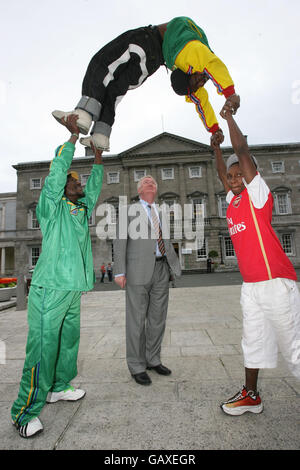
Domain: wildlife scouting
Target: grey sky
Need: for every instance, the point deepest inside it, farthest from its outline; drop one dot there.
(47, 45)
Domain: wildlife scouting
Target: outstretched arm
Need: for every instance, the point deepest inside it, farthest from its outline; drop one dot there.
(94, 183)
(240, 148)
(220, 164)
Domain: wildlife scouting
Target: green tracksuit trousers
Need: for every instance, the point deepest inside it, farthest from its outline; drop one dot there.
(51, 350)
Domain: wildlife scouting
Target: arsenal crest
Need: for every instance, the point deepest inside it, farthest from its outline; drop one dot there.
(237, 201)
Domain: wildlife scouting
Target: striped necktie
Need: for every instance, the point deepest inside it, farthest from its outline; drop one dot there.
(158, 232)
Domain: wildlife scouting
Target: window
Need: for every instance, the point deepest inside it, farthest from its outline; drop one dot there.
(222, 206)
(195, 172)
(202, 249)
(35, 253)
(282, 204)
(113, 177)
(33, 221)
(35, 183)
(83, 179)
(113, 213)
(287, 243)
(229, 250)
(199, 208)
(170, 203)
(277, 167)
(91, 220)
(167, 173)
(139, 174)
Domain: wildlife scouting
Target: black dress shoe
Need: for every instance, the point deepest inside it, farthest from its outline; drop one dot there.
(160, 369)
(142, 378)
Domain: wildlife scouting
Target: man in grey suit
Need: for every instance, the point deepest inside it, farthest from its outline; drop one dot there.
(143, 263)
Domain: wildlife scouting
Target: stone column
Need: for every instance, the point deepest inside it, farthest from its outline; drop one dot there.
(211, 191)
(3, 260)
(21, 271)
(126, 184)
(154, 174)
(181, 186)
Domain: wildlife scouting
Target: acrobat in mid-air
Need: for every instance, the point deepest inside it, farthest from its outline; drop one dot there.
(127, 61)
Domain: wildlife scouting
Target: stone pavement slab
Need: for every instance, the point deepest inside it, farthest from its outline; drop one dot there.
(181, 411)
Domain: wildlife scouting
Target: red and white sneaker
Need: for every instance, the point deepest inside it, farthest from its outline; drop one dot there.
(243, 401)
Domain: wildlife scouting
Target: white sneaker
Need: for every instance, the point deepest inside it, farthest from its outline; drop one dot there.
(70, 394)
(84, 118)
(100, 141)
(30, 429)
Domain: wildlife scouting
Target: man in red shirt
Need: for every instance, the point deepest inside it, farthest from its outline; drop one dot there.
(270, 298)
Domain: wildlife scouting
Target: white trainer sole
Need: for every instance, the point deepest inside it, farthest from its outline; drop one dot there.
(239, 410)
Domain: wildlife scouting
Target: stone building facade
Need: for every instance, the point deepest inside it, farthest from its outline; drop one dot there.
(7, 233)
(186, 174)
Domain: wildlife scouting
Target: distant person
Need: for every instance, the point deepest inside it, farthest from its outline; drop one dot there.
(208, 265)
(103, 271)
(128, 60)
(109, 272)
(270, 297)
(63, 271)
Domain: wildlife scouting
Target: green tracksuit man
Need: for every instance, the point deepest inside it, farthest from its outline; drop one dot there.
(63, 271)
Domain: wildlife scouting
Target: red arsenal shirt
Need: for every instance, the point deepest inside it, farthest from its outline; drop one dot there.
(259, 253)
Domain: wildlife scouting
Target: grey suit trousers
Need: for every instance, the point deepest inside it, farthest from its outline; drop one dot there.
(146, 313)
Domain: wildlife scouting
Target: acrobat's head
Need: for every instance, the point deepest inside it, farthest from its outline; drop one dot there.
(185, 83)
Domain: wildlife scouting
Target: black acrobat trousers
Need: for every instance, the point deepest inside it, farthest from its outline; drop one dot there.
(122, 65)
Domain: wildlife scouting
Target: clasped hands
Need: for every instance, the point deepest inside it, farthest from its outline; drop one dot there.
(230, 107)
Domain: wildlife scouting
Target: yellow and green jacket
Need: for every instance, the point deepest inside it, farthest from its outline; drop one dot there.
(185, 46)
(66, 261)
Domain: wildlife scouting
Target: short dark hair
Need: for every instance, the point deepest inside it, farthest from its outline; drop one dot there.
(180, 82)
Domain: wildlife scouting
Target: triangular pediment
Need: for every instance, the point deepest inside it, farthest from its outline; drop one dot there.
(166, 143)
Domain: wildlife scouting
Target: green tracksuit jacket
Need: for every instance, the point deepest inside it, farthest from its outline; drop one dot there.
(64, 269)
(66, 261)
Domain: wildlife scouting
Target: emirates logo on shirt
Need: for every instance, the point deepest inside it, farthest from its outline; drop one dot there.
(235, 228)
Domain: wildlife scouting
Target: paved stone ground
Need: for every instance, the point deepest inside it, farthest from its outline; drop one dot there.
(181, 412)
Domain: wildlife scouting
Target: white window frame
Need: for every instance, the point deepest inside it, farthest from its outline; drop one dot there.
(198, 167)
(39, 184)
(225, 239)
(203, 203)
(32, 220)
(31, 255)
(110, 178)
(136, 178)
(278, 170)
(277, 205)
(163, 173)
(91, 219)
(203, 249)
(84, 178)
(222, 207)
(290, 235)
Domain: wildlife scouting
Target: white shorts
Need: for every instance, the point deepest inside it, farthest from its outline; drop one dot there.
(271, 321)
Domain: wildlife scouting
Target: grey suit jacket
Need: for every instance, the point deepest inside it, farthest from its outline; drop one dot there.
(135, 256)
